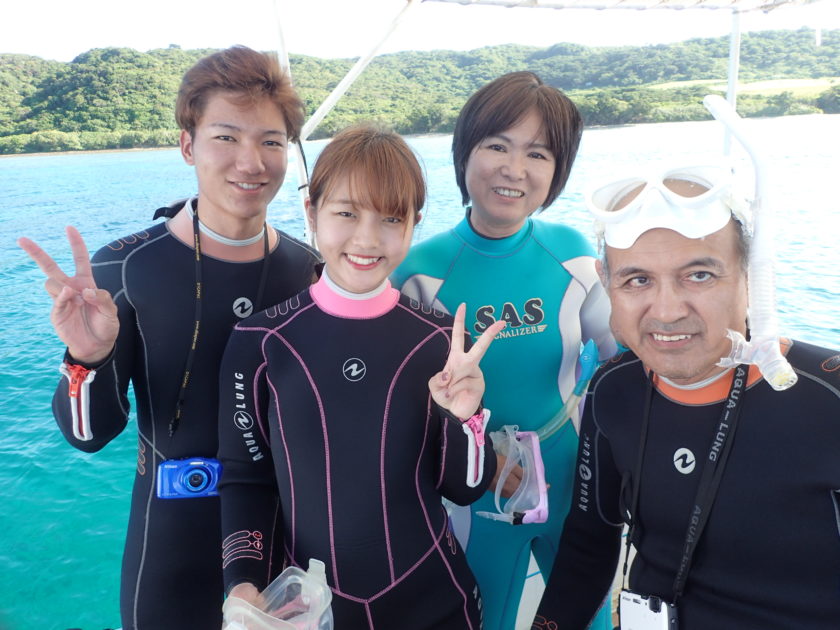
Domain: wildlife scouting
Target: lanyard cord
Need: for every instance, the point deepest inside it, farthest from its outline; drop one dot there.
(636, 484)
(710, 478)
(199, 291)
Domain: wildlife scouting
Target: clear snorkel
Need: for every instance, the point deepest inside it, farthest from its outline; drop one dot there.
(763, 347)
(571, 408)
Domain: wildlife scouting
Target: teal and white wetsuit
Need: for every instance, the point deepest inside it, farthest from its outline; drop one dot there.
(542, 281)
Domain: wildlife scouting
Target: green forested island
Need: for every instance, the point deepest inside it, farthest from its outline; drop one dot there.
(121, 98)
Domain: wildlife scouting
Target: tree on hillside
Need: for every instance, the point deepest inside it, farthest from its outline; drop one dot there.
(19, 76)
(116, 97)
(829, 101)
(102, 90)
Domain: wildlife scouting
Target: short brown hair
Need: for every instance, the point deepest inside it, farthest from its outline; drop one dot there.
(504, 102)
(251, 74)
(377, 159)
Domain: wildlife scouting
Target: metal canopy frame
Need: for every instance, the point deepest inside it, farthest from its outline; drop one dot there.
(641, 5)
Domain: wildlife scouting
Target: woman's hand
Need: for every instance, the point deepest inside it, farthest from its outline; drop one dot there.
(459, 387)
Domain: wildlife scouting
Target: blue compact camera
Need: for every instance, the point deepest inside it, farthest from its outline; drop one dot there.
(188, 478)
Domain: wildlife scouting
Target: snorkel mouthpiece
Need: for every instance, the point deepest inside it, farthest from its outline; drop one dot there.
(763, 347)
(765, 354)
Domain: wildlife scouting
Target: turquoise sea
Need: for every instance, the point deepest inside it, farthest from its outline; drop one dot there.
(63, 513)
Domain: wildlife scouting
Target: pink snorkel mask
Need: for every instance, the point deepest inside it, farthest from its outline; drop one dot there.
(529, 504)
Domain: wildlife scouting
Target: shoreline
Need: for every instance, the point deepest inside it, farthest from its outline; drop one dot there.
(432, 134)
(85, 151)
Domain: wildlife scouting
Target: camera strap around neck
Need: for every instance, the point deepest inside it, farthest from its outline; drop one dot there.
(721, 446)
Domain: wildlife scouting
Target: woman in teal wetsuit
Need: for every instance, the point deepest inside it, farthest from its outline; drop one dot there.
(513, 148)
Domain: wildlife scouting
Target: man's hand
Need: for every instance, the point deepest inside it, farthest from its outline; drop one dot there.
(84, 316)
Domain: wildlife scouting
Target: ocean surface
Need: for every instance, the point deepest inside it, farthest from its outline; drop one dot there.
(63, 513)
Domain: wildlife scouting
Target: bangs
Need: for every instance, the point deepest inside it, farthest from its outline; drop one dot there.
(391, 192)
(382, 171)
(505, 102)
(246, 77)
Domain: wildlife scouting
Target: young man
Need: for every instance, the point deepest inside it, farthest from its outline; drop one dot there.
(156, 308)
(730, 487)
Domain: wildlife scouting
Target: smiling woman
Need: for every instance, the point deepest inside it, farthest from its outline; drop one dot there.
(354, 467)
(363, 221)
(514, 145)
(509, 173)
(360, 245)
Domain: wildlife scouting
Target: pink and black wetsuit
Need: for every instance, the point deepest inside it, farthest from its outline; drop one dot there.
(327, 424)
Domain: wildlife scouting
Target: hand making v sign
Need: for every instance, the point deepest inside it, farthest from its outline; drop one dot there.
(84, 317)
(458, 388)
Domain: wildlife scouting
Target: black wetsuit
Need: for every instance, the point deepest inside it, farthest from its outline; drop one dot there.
(769, 557)
(333, 408)
(171, 576)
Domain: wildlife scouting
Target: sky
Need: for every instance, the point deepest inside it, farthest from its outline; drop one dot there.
(62, 29)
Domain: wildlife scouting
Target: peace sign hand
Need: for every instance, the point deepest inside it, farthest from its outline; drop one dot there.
(458, 388)
(84, 316)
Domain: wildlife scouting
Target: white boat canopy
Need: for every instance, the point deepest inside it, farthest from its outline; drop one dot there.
(734, 5)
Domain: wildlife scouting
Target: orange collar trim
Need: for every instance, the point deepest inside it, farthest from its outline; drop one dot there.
(714, 392)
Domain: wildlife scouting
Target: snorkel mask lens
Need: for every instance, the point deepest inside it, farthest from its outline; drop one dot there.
(529, 503)
(691, 201)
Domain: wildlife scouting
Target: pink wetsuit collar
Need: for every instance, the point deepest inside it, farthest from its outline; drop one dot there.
(353, 308)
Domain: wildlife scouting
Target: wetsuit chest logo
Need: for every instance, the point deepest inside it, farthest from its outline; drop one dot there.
(684, 461)
(242, 307)
(243, 420)
(526, 320)
(354, 369)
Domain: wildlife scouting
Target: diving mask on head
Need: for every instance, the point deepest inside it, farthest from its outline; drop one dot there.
(529, 504)
(695, 201)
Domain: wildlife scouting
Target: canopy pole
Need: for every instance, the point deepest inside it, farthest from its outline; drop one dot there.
(355, 71)
(732, 76)
(303, 176)
(282, 49)
(328, 104)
